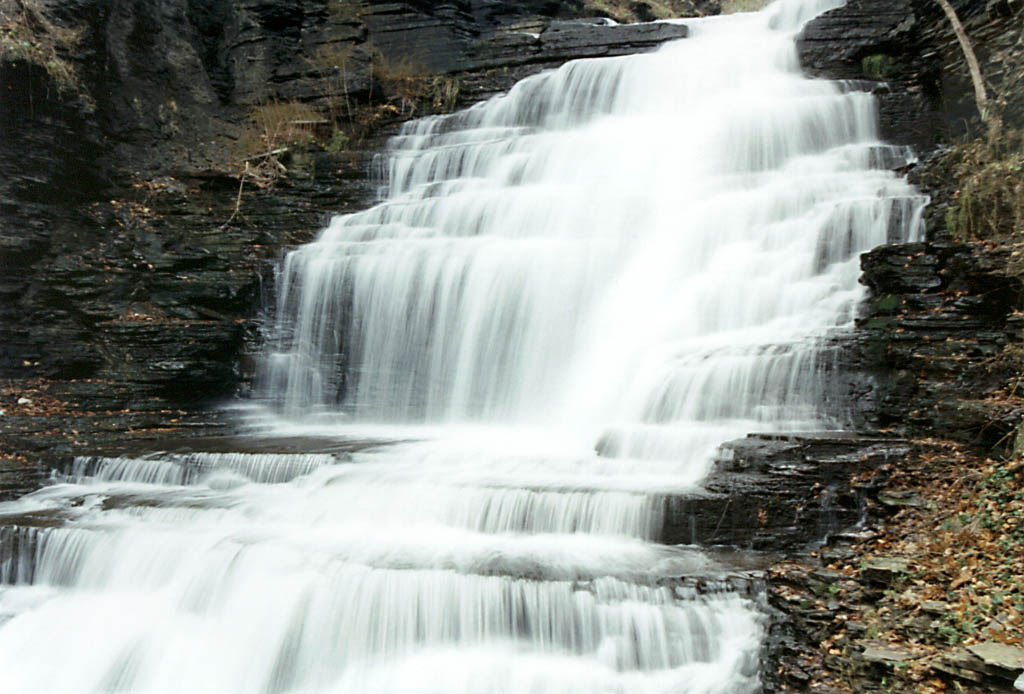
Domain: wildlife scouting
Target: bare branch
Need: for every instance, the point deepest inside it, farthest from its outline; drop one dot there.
(980, 97)
(265, 155)
(238, 200)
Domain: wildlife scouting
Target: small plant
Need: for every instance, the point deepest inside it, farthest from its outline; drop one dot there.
(627, 11)
(332, 62)
(445, 93)
(410, 87)
(272, 129)
(277, 125)
(338, 142)
(879, 66)
(27, 34)
(989, 202)
(404, 80)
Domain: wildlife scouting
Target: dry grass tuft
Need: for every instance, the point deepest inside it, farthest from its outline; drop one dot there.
(277, 125)
(405, 81)
(346, 10)
(989, 201)
(27, 34)
(332, 62)
(734, 6)
(628, 11)
(989, 170)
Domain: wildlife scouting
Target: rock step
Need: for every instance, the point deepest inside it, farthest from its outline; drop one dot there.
(779, 492)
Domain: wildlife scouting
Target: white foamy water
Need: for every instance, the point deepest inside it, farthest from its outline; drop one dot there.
(567, 298)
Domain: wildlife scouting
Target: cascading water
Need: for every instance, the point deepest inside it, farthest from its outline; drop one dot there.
(635, 255)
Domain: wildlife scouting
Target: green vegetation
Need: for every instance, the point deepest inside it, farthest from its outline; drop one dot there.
(339, 141)
(880, 67)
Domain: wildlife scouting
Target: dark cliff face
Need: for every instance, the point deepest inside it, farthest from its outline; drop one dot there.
(933, 354)
(116, 186)
(115, 192)
(908, 48)
(120, 269)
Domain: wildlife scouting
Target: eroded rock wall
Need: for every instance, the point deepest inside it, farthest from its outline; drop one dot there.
(126, 257)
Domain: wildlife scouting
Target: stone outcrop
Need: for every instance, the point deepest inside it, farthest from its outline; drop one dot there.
(154, 289)
(941, 333)
(879, 41)
(116, 189)
(560, 41)
(120, 273)
(135, 235)
(934, 350)
(785, 492)
(908, 48)
(935, 354)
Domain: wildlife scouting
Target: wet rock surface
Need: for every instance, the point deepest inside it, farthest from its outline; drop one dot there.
(45, 424)
(935, 355)
(784, 492)
(136, 237)
(880, 41)
(939, 332)
(909, 51)
(117, 191)
(123, 284)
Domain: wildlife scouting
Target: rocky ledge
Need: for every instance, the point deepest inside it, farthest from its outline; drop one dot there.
(924, 598)
(909, 49)
(785, 492)
(135, 249)
(942, 333)
(122, 274)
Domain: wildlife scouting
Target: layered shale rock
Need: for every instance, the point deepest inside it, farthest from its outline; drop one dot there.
(117, 185)
(784, 492)
(941, 332)
(908, 49)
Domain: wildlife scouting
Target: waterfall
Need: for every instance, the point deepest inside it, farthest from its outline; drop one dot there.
(648, 244)
(565, 299)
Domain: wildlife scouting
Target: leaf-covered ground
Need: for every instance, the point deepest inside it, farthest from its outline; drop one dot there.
(957, 545)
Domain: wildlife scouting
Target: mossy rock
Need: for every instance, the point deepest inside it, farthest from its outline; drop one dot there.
(888, 303)
(877, 324)
(880, 67)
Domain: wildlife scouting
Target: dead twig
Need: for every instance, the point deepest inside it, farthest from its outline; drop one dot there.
(265, 155)
(238, 200)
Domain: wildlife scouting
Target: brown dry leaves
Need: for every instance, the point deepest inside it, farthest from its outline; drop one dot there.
(29, 398)
(966, 548)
